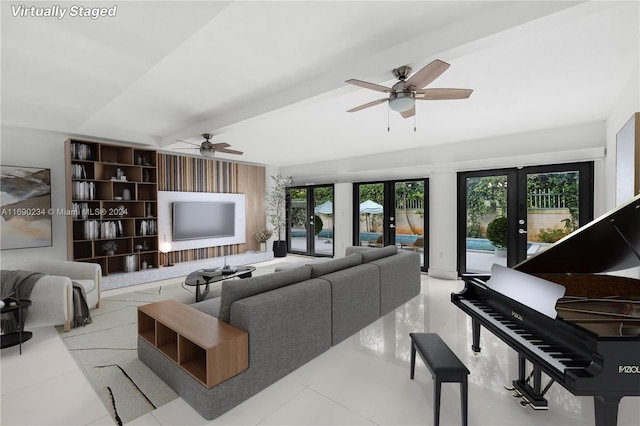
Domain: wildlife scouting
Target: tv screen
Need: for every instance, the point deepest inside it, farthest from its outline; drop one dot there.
(199, 220)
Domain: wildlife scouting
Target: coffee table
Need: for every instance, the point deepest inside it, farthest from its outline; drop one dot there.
(203, 277)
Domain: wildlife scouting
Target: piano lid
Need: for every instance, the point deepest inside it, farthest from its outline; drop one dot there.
(608, 243)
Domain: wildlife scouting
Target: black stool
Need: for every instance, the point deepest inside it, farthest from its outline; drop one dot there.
(444, 366)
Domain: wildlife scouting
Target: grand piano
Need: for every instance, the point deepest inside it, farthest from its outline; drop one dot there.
(568, 315)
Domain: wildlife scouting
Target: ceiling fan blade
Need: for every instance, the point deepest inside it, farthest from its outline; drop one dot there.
(409, 113)
(188, 148)
(441, 94)
(367, 105)
(220, 145)
(371, 86)
(190, 143)
(427, 74)
(229, 151)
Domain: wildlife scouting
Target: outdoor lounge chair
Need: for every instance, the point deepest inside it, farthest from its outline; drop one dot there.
(377, 243)
(416, 245)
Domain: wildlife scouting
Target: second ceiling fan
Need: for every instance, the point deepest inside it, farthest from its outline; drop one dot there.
(407, 90)
(209, 149)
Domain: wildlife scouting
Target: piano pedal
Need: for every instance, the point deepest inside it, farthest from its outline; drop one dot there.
(525, 403)
(509, 388)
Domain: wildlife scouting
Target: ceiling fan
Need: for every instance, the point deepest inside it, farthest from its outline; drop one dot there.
(405, 92)
(209, 149)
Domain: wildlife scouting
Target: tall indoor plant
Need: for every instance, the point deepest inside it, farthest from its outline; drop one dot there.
(276, 203)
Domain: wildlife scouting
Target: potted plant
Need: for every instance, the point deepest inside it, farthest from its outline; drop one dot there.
(109, 247)
(276, 203)
(497, 233)
(262, 236)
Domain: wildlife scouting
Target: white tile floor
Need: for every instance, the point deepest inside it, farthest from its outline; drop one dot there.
(362, 381)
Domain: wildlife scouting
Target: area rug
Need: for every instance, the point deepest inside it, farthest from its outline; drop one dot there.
(106, 350)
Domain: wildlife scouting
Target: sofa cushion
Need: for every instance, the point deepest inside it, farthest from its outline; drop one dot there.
(208, 306)
(379, 253)
(239, 289)
(323, 268)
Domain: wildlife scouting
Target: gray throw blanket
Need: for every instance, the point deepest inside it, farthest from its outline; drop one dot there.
(81, 316)
(16, 285)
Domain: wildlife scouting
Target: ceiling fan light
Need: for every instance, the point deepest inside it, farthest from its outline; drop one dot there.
(402, 102)
(207, 152)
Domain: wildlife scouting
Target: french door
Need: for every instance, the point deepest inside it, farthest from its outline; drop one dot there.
(507, 215)
(392, 213)
(310, 220)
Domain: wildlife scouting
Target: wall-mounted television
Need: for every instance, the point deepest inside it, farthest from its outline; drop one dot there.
(198, 220)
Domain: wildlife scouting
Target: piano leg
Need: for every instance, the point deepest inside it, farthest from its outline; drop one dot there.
(475, 326)
(606, 409)
(531, 395)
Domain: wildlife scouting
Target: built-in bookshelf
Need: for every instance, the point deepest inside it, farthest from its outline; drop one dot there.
(112, 196)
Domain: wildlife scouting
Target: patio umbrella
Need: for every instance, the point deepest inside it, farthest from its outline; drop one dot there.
(324, 208)
(370, 206)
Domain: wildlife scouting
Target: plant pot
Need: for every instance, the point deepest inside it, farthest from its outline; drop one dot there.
(501, 252)
(110, 253)
(279, 248)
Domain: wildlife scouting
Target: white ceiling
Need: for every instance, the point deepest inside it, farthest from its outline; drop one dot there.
(268, 77)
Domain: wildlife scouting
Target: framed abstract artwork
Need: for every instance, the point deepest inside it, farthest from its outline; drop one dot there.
(628, 160)
(25, 206)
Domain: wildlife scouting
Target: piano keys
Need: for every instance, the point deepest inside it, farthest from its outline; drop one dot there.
(567, 315)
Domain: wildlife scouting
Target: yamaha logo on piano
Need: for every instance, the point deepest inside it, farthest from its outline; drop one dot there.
(629, 369)
(517, 315)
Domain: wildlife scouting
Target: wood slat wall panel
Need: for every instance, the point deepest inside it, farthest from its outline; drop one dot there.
(193, 174)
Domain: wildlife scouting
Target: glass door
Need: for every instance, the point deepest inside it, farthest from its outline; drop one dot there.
(485, 237)
(372, 231)
(558, 201)
(392, 213)
(310, 220)
(409, 216)
(508, 215)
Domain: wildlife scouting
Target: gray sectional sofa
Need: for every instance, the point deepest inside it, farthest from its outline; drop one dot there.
(292, 316)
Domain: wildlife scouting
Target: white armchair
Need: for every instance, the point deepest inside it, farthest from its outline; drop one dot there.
(51, 296)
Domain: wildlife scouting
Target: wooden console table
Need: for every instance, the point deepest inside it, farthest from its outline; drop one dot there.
(211, 351)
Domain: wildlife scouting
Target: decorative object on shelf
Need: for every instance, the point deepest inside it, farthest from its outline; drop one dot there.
(129, 263)
(26, 217)
(109, 247)
(276, 202)
(165, 248)
(126, 194)
(139, 160)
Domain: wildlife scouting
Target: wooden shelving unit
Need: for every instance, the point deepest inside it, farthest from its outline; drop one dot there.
(211, 351)
(112, 194)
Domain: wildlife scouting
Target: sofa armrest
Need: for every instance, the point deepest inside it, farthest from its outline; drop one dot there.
(50, 303)
(75, 271)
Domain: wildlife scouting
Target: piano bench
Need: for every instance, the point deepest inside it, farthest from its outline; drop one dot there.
(444, 365)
